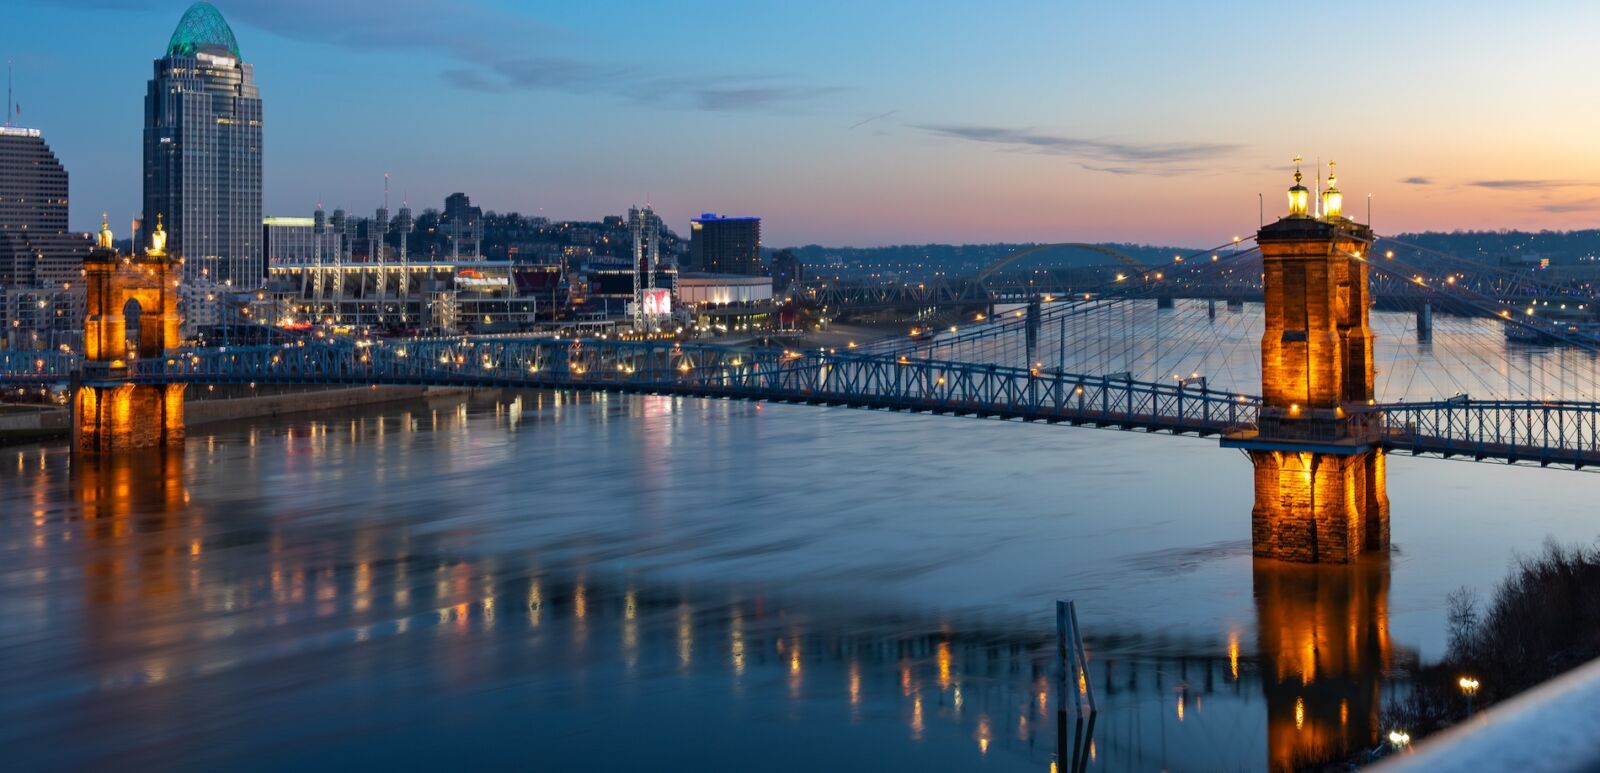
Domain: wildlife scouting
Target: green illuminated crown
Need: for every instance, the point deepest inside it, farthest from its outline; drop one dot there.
(202, 29)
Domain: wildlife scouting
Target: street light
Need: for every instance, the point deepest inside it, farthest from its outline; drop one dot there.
(1469, 686)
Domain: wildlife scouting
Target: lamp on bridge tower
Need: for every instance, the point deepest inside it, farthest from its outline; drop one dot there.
(158, 240)
(1332, 199)
(103, 239)
(1299, 197)
(1319, 472)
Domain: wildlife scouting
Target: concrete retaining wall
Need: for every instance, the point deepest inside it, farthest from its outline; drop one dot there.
(47, 423)
(196, 412)
(37, 424)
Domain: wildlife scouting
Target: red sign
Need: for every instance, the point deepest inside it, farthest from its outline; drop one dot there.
(658, 303)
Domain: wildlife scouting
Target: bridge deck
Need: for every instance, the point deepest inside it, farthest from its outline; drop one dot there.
(1547, 433)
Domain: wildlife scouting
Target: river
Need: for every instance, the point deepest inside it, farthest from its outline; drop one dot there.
(557, 582)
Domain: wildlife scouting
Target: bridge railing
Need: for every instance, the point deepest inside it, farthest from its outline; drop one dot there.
(26, 368)
(1547, 432)
(864, 380)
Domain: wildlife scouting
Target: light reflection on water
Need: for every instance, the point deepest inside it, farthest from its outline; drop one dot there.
(540, 580)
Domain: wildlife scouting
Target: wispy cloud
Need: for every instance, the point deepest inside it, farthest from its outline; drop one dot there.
(751, 92)
(1563, 207)
(870, 119)
(1096, 154)
(493, 50)
(1527, 185)
(1417, 181)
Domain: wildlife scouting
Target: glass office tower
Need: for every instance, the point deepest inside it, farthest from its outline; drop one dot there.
(202, 153)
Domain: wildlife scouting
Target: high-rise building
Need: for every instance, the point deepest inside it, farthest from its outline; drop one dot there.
(462, 224)
(725, 245)
(202, 152)
(36, 251)
(786, 270)
(41, 298)
(649, 305)
(33, 319)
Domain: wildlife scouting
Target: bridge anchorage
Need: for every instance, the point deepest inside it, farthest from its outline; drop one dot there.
(1319, 464)
(110, 412)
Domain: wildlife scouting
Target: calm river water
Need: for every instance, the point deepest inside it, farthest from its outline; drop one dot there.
(542, 582)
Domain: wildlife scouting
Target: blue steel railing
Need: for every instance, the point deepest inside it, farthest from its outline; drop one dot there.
(33, 368)
(850, 379)
(1547, 432)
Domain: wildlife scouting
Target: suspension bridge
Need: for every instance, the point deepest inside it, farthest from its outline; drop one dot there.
(1349, 355)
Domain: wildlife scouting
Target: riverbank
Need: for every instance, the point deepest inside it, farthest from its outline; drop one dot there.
(31, 424)
(200, 412)
(1542, 621)
(841, 335)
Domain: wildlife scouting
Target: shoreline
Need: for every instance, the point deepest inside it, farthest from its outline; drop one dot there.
(34, 424)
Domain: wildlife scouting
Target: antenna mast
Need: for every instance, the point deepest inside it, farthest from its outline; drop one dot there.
(1316, 199)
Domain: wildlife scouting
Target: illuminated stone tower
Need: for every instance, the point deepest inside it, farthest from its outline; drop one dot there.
(1319, 477)
(109, 412)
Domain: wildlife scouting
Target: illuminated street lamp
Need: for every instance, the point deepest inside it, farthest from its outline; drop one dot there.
(1299, 197)
(1469, 687)
(1399, 739)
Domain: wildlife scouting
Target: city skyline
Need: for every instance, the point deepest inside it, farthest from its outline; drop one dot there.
(714, 386)
(871, 126)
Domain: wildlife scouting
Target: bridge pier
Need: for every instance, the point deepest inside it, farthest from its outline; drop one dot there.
(1319, 508)
(1032, 330)
(1320, 475)
(108, 417)
(1425, 323)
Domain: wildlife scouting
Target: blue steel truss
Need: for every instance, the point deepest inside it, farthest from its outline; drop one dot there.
(36, 368)
(819, 377)
(1545, 432)
(656, 367)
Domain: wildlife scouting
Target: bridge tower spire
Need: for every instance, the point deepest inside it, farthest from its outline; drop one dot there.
(1319, 474)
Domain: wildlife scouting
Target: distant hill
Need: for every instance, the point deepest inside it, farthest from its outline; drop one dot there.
(1512, 247)
(1509, 248)
(958, 259)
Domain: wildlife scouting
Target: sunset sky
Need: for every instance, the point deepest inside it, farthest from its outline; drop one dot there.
(866, 123)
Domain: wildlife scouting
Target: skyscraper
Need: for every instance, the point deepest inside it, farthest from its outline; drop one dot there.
(725, 245)
(41, 301)
(36, 251)
(202, 152)
(645, 226)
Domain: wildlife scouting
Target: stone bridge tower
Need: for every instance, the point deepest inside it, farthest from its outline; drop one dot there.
(1319, 475)
(110, 411)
